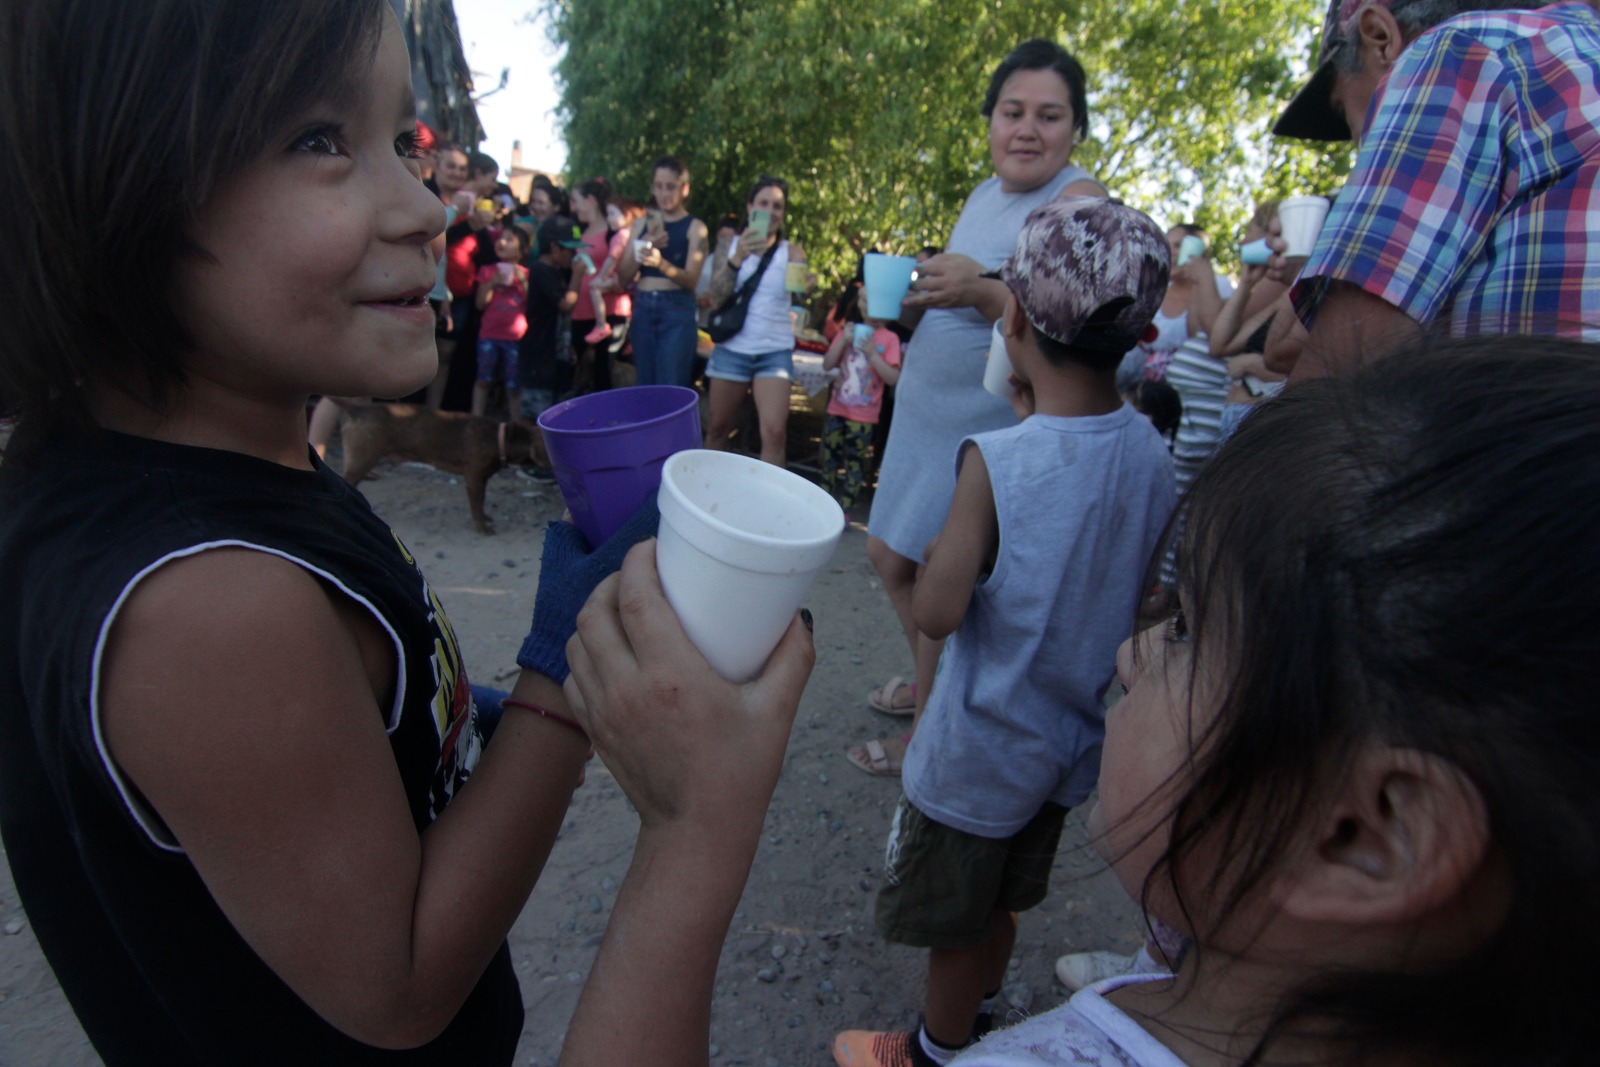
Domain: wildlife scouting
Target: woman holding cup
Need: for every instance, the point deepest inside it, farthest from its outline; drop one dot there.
(1037, 109)
(759, 359)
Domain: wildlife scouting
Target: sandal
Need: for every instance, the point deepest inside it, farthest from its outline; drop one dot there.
(895, 697)
(880, 758)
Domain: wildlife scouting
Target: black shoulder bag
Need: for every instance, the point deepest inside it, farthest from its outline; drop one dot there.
(728, 319)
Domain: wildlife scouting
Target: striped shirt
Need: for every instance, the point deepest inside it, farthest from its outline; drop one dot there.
(1475, 198)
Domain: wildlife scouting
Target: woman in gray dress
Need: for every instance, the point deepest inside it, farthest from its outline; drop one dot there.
(1037, 111)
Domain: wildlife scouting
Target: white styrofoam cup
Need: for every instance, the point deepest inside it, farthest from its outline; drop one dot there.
(997, 371)
(739, 544)
(1300, 218)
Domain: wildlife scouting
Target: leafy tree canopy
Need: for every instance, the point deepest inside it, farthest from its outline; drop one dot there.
(870, 108)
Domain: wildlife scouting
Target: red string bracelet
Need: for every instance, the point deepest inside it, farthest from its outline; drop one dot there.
(556, 717)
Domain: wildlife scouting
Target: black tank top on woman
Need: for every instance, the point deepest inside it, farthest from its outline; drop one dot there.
(677, 250)
(153, 969)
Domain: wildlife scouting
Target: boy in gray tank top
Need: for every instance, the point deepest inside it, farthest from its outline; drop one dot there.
(1035, 578)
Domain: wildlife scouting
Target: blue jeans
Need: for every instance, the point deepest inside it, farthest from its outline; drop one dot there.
(663, 335)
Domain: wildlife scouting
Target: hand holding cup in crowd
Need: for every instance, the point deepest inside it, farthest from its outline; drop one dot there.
(688, 748)
(647, 255)
(462, 202)
(655, 227)
(947, 280)
(1195, 270)
(1281, 267)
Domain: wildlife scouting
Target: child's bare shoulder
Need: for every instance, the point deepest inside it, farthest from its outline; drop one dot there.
(233, 616)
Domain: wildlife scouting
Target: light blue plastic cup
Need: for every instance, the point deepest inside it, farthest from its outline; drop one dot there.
(887, 278)
(1256, 253)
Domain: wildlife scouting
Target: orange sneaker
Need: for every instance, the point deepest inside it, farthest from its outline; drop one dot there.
(879, 1048)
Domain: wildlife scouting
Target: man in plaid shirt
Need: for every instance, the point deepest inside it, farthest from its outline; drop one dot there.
(1474, 204)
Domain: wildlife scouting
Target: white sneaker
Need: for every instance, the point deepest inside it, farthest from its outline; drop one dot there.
(1082, 969)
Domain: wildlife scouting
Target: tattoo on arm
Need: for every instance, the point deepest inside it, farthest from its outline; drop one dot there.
(722, 283)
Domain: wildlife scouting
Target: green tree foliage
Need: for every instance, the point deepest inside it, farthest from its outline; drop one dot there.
(870, 108)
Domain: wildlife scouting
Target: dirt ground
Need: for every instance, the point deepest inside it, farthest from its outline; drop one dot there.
(801, 961)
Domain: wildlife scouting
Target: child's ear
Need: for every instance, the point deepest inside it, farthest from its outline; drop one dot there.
(1013, 320)
(1404, 836)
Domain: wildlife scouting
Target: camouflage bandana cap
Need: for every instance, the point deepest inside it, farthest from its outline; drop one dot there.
(1090, 273)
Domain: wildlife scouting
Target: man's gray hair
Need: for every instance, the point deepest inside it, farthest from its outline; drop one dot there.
(1415, 18)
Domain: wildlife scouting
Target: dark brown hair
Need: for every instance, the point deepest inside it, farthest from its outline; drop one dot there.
(1039, 54)
(118, 121)
(1411, 556)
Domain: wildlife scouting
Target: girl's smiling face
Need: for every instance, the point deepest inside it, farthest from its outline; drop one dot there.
(316, 269)
(508, 247)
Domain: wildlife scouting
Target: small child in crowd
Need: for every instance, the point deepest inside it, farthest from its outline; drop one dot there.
(546, 359)
(1356, 766)
(503, 300)
(1035, 579)
(868, 358)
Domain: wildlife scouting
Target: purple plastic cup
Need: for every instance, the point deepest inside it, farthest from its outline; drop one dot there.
(607, 449)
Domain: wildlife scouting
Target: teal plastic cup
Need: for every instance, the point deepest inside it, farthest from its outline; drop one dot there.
(887, 278)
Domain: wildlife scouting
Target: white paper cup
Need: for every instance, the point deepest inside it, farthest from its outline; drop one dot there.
(997, 371)
(641, 245)
(739, 543)
(1300, 218)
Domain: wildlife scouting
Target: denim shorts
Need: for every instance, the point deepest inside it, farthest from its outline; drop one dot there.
(497, 361)
(738, 367)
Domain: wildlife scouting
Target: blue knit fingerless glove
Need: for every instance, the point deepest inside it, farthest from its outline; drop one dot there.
(568, 573)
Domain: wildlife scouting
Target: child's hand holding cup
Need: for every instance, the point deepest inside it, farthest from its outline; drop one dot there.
(505, 273)
(739, 544)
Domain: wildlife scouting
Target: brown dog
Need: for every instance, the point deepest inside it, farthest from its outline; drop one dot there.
(469, 445)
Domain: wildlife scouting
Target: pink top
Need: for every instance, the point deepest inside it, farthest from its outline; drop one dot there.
(506, 316)
(858, 394)
(618, 302)
(595, 245)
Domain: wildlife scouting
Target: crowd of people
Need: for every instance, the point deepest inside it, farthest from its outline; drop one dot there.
(1294, 576)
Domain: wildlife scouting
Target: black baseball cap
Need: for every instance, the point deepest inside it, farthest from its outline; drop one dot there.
(1311, 115)
(559, 231)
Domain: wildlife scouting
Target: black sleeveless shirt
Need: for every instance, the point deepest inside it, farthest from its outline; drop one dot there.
(153, 969)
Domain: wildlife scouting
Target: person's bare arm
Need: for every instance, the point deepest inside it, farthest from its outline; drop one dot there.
(484, 295)
(262, 748)
(723, 281)
(1352, 328)
(837, 347)
(1204, 300)
(1084, 187)
(701, 759)
(1236, 323)
(886, 370)
(688, 275)
(961, 552)
(1286, 339)
(628, 267)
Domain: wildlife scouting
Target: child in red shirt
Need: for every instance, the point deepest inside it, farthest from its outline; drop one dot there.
(503, 299)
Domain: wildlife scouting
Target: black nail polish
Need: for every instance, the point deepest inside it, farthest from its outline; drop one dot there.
(805, 617)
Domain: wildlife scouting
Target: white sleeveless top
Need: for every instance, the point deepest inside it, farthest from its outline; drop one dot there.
(766, 324)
